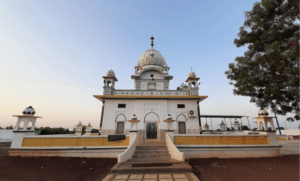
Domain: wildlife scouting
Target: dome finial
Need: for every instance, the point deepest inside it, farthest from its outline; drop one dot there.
(152, 38)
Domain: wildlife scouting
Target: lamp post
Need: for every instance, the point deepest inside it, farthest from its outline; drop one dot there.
(273, 107)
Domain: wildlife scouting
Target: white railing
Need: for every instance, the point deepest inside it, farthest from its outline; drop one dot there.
(127, 154)
(174, 152)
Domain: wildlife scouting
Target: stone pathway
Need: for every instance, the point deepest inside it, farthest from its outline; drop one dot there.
(151, 162)
(152, 177)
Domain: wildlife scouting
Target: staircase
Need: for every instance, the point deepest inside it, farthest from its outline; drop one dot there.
(151, 157)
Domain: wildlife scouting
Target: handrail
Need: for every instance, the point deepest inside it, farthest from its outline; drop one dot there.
(174, 152)
(127, 154)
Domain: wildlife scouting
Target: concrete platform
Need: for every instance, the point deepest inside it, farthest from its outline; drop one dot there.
(172, 176)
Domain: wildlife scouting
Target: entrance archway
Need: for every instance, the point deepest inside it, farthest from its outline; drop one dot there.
(151, 119)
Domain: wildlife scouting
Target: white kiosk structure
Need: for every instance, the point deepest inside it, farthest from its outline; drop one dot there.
(25, 119)
(223, 126)
(88, 130)
(206, 127)
(237, 125)
(79, 127)
(263, 119)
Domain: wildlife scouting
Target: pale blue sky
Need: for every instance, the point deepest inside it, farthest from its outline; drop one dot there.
(50, 51)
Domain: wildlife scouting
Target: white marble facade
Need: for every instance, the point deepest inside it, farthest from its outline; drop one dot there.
(151, 78)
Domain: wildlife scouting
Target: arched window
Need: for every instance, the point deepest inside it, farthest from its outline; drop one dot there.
(151, 116)
(261, 126)
(269, 126)
(108, 83)
(193, 84)
(29, 126)
(21, 125)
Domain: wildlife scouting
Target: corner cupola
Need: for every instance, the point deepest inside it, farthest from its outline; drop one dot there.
(109, 83)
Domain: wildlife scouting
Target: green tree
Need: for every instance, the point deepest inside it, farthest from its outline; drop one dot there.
(95, 131)
(9, 127)
(83, 130)
(244, 127)
(290, 119)
(269, 71)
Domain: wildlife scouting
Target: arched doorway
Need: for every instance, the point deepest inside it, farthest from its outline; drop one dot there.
(120, 126)
(181, 119)
(151, 119)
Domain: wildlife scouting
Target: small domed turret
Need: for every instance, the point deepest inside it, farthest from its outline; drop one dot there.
(222, 122)
(263, 113)
(192, 74)
(134, 117)
(110, 73)
(29, 111)
(169, 117)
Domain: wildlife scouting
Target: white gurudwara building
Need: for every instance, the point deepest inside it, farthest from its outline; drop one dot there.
(145, 108)
(150, 116)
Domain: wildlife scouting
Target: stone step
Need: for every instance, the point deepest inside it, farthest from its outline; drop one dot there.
(152, 160)
(152, 168)
(158, 152)
(152, 156)
(151, 147)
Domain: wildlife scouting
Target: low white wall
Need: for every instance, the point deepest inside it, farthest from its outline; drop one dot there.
(292, 132)
(18, 138)
(87, 153)
(6, 135)
(127, 154)
(232, 152)
(174, 152)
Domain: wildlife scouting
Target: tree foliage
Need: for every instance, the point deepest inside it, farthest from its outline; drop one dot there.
(244, 127)
(9, 127)
(48, 130)
(95, 131)
(269, 70)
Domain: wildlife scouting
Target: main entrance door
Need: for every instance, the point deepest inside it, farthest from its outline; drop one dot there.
(151, 131)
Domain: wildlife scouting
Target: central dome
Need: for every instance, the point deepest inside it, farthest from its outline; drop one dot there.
(152, 57)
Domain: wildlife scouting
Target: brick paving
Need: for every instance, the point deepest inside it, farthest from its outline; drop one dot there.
(152, 177)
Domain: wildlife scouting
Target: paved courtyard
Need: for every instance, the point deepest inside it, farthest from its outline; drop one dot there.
(153, 177)
(290, 147)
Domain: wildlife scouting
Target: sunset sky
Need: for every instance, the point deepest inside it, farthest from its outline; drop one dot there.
(53, 54)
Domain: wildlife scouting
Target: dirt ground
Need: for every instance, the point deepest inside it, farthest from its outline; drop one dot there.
(283, 168)
(53, 168)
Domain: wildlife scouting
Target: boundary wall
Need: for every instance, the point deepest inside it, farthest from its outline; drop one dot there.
(228, 146)
(26, 144)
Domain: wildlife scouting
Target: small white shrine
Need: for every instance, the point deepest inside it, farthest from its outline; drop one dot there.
(263, 120)
(237, 125)
(22, 126)
(223, 126)
(206, 127)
